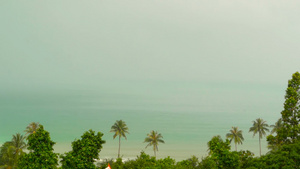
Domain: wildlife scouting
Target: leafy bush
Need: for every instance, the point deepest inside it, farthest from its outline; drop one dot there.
(41, 153)
(84, 152)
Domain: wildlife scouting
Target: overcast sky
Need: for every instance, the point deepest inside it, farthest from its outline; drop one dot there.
(59, 43)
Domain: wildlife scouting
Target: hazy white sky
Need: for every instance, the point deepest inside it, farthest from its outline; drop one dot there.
(88, 43)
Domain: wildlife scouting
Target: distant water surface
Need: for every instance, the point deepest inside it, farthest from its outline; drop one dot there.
(187, 115)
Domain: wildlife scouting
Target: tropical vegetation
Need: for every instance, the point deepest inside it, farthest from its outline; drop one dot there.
(289, 132)
(85, 152)
(41, 153)
(11, 151)
(277, 126)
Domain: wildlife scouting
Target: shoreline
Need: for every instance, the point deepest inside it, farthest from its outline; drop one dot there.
(178, 152)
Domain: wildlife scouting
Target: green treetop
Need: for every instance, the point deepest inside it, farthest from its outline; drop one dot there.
(41, 153)
(289, 133)
(84, 152)
(220, 154)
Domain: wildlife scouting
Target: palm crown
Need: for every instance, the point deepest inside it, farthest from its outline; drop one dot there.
(32, 128)
(277, 126)
(18, 141)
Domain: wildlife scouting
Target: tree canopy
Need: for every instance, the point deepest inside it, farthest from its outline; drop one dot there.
(289, 133)
(41, 153)
(84, 151)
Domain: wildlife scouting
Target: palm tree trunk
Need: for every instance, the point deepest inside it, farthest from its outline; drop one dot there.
(119, 146)
(259, 147)
(154, 153)
(235, 147)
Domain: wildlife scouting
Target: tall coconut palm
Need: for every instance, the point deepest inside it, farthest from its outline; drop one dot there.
(11, 151)
(18, 141)
(236, 135)
(119, 128)
(259, 126)
(153, 138)
(32, 128)
(277, 126)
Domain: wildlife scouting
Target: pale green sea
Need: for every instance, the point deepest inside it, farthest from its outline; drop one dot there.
(187, 115)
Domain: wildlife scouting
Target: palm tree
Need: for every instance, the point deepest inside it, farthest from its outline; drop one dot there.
(11, 151)
(277, 126)
(236, 135)
(7, 155)
(18, 144)
(18, 141)
(153, 138)
(119, 128)
(32, 128)
(260, 127)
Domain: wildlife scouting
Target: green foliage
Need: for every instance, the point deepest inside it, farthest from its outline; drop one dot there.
(184, 164)
(208, 162)
(11, 151)
(165, 163)
(7, 157)
(144, 161)
(289, 133)
(41, 155)
(119, 128)
(190, 163)
(288, 156)
(84, 152)
(219, 152)
(245, 157)
(217, 144)
(277, 126)
(194, 161)
(285, 157)
(256, 163)
(274, 142)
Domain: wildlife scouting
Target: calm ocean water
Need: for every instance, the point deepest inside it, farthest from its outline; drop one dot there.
(187, 116)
